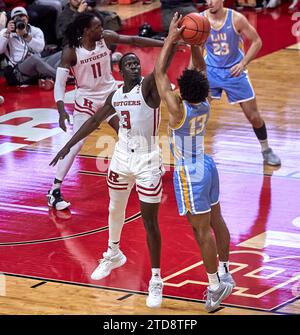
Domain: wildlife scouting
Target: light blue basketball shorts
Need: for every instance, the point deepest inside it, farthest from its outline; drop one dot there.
(238, 89)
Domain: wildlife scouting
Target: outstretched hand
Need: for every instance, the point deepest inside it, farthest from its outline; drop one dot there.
(175, 29)
(60, 155)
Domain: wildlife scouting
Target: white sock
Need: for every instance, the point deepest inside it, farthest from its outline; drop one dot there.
(223, 268)
(155, 273)
(113, 247)
(213, 280)
(264, 144)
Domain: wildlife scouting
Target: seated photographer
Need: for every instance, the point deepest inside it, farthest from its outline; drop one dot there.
(22, 44)
(40, 15)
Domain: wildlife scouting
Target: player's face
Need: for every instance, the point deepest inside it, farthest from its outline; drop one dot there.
(131, 68)
(214, 5)
(95, 29)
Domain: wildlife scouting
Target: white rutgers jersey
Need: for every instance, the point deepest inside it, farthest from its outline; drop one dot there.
(93, 72)
(139, 122)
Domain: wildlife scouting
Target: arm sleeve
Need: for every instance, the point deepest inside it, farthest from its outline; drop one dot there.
(60, 83)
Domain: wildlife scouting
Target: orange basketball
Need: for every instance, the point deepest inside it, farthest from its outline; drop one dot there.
(197, 28)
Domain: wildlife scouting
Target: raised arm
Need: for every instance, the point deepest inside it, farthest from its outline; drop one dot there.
(168, 96)
(113, 37)
(88, 127)
(197, 61)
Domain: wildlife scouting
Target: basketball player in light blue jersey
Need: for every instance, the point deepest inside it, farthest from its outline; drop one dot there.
(226, 66)
(196, 180)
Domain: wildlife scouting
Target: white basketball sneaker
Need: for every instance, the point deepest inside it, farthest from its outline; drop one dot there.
(107, 264)
(270, 157)
(154, 298)
(56, 200)
(227, 278)
(214, 298)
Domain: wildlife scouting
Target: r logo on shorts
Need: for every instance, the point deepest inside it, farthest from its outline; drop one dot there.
(87, 103)
(113, 176)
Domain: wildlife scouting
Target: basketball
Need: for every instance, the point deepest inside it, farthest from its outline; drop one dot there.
(197, 28)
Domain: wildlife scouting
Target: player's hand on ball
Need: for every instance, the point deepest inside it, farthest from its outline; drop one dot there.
(60, 155)
(237, 69)
(63, 116)
(175, 29)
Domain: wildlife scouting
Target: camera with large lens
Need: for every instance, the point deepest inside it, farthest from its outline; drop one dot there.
(19, 24)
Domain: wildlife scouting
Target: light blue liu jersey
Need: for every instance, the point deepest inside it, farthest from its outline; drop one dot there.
(224, 46)
(196, 181)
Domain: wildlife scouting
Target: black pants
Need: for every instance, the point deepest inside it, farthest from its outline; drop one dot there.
(33, 68)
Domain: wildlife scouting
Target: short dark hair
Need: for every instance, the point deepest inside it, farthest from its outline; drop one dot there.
(122, 59)
(193, 86)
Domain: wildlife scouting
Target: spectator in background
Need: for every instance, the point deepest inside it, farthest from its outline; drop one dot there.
(71, 10)
(22, 45)
(41, 16)
(170, 7)
(111, 20)
(57, 4)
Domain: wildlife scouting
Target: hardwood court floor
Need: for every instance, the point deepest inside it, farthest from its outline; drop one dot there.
(260, 205)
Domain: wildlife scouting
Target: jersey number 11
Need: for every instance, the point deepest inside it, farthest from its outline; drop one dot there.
(96, 70)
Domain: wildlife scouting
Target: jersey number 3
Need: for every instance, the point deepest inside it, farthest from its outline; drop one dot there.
(126, 119)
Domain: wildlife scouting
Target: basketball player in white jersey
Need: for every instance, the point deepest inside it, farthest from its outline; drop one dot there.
(136, 160)
(87, 57)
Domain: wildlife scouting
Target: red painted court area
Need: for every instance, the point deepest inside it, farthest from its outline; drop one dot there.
(64, 246)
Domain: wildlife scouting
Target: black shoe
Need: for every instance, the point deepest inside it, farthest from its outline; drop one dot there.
(56, 201)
